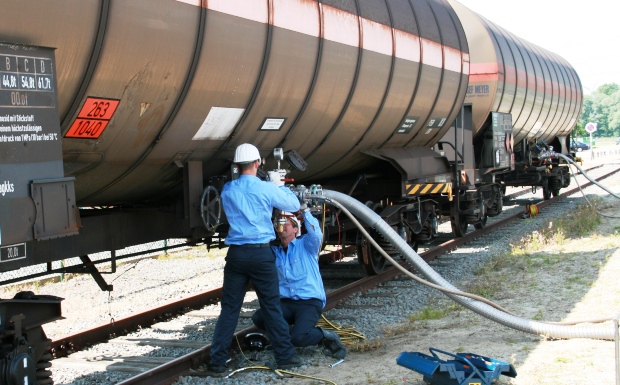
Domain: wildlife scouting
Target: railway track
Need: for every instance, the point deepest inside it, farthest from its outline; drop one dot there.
(164, 369)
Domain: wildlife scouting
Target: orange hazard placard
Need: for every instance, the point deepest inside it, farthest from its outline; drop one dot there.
(96, 108)
(86, 128)
(93, 118)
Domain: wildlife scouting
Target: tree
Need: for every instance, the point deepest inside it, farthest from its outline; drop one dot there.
(608, 89)
(579, 130)
(603, 108)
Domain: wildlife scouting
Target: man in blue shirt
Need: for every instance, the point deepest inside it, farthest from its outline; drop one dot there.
(302, 295)
(248, 204)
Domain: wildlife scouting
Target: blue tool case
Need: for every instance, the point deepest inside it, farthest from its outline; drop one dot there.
(460, 369)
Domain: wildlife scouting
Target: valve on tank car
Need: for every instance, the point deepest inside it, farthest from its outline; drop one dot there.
(555, 174)
(309, 196)
(538, 165)
(278, 175)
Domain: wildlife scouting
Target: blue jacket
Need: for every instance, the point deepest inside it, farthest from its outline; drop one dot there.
(298, 266)
(248, 203)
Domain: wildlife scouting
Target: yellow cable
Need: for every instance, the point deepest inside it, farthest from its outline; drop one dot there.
(347, 334)
(310, 377)
(279, 372)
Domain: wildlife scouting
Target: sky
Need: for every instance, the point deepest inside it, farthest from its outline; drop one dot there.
(586, 33)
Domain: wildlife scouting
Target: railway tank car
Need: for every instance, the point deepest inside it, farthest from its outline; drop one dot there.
(540, 90)
(119, 119)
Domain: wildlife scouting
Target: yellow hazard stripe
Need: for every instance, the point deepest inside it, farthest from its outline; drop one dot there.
(415, 189)
(428, 188)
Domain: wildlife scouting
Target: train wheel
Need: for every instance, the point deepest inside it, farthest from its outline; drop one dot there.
(458, 222)
(368, 256)
(566, 179)
(459, 225)
(498, 206)
(546, 189)
(482, 223)
(546, 193)
(210, 208)
(483, 215)
(411, 241)
(17, 361)
(555, 184)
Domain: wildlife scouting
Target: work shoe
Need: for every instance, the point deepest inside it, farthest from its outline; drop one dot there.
(210, 371)
(218, 369)
(291, 363)
(332, 342)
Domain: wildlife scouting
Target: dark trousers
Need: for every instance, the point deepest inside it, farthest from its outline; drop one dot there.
(303, 315)
(257, 264)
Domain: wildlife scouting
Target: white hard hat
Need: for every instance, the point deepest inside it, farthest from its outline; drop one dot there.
(290, 216)
(246, 153)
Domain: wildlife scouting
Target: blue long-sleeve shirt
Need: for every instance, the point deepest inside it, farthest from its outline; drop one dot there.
(298, 266)
(248, 203)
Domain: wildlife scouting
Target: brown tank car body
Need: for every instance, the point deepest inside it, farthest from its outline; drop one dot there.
(538, 88)
(193, 81)
(330, 79)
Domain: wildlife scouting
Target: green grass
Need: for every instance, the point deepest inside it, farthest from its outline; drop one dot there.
(528, 255)
(579, 223)
(487, 287)
(428, 314)
(538, 316)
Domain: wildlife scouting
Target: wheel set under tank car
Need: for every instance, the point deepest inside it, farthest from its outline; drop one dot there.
(123, 131)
